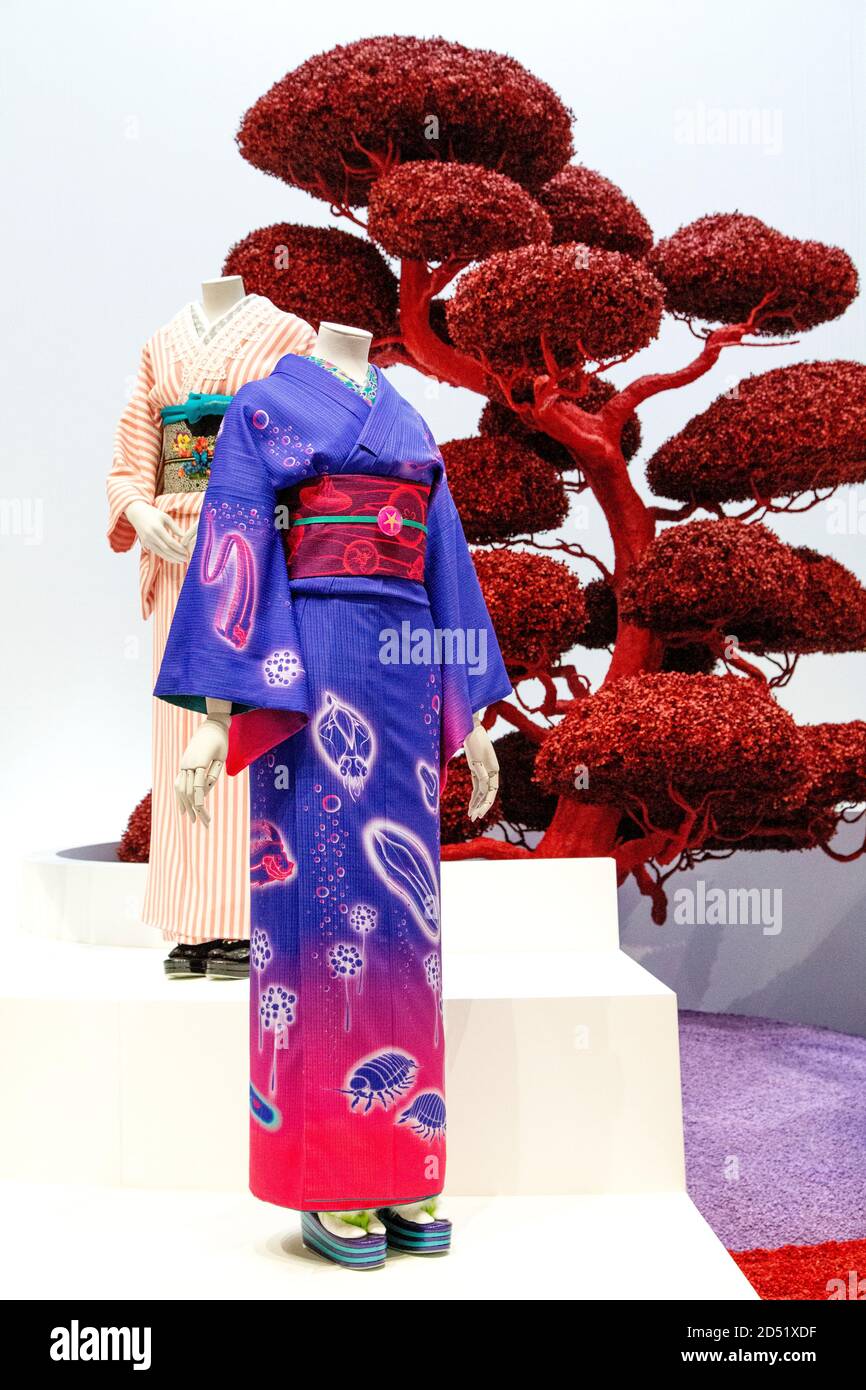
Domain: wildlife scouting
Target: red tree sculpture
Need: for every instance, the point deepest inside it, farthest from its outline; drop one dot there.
(461, 160)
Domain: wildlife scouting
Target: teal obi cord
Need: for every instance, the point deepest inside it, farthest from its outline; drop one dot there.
(197, 406)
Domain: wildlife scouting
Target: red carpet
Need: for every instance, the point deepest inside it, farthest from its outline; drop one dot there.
(834, 1270)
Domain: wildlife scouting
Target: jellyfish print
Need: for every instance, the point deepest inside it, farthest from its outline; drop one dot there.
(362, 919)
(433, 971)
(346, 742)
(346, 964)
(429, 779)
(277, 1014)
(404, 865)
(260, 956)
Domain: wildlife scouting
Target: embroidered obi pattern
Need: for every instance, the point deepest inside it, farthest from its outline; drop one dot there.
(359, 524)
(189, 434)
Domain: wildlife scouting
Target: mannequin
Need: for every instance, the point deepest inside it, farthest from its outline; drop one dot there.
(340, 352)
(204, 758)
(155, 529)
(190, 369)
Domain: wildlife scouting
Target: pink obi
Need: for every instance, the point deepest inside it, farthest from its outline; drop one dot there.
(358, 524)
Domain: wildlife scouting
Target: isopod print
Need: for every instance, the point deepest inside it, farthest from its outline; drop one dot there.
(426, 1116)
(381, 1077)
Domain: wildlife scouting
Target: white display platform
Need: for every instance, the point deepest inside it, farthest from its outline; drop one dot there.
(85, 894)
(123, 1243)
(563, 1065)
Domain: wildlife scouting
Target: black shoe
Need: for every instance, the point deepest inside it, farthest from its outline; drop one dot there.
(185, 961)
(228, 960)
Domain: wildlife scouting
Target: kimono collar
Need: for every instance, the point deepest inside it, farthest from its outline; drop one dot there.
(379, 434)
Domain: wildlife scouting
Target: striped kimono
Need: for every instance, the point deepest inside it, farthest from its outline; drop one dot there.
(198, 885)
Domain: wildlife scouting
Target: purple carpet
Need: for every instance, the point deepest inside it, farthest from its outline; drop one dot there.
(775, 1129)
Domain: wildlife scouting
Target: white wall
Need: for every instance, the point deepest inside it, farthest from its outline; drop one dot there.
(124, 189)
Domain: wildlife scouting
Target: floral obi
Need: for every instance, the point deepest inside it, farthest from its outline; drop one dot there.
(359, 524)
(189, 433)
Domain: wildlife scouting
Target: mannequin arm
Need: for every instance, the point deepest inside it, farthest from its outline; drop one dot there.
(203, 761)
(157, 532)
(484, 766)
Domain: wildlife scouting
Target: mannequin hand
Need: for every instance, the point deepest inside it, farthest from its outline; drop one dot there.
(157, 532)
(484, 766)
(202, 762)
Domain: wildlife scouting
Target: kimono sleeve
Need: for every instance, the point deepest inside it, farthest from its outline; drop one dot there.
(136, 457)
(234, 635)
(473, 672)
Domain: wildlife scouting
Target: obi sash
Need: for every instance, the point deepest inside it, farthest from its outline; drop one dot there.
(189, 433)
(358, 524)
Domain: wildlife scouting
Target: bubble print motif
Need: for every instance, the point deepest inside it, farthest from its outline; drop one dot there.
(283, 668)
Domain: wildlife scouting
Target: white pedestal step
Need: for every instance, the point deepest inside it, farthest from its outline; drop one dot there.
(563, 1082)
(145, 1079)
(85, 894)
(121, 1243)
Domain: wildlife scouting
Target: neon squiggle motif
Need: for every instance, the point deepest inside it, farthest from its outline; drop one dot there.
(235, 620)
(346, 742)
(404, 865)
(429, 779)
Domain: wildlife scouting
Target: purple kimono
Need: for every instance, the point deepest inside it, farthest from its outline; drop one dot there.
(332, 598)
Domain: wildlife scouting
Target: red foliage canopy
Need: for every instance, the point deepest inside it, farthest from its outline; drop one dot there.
(834, 758)
(536, 606)
(835, 755)
(318, 273)
(829, 613)
(732, 578)
(433, 212)
(649, 739)
(521, 800)
(585, 206)
(585, 303)
(602, 617)
(335, 122)
(782, 433)
(134, 847)
(716, 576)
(499, 418)
(600, 630)
(502, 489)
(720, 267)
